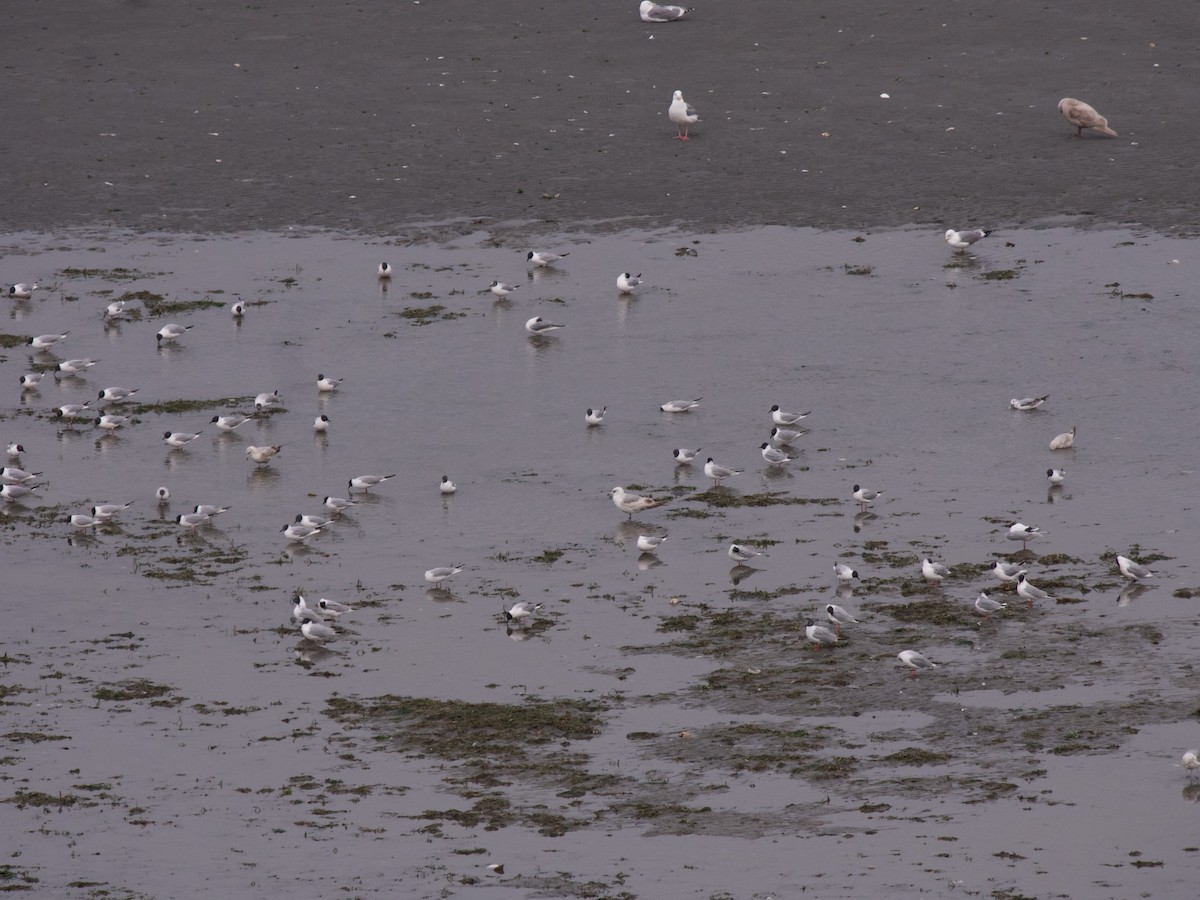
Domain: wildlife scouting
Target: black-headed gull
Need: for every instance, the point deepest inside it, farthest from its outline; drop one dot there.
(521, 610)
(680, 406)
(1082, 115)
(298, 531)
(844, 573)
(740, 553)
(163, 495)
(781, 417)
(961, 240)
(268, 400)
(84, 522)
(21, 290)
(72, 411)
(682, 115)
(311, 521)
(172, 332)
(321, 423)
(500, 289)
(1131, 570)
(627, 283)
(75, 366)
(774, 456)
(1064, 441)
(17, 475)
(333, 608)
(786, 436)
(117, 394)
(934, 572)
(595, 416)
(30, 380)
(210, 510)
(1019, 531)
(1030, 592)
(685, 456)
(366, 482)
(177, 439)
(318, 632)
(338, 505)
(17, 491)
(229, 423)
(1056, 476)
(1007, 572)
(15, 449)
(327, 385)
(108, 510)
(46, 341)
(1027, 403)
(538, 325)
(649, 543)
(839, 616)
(661, 12)
(237, 309)
(110, 422)
(718, 472)
(384, 270)
(865, 497)
(191, 521)
(543, 258)
(115, 310)
(447, 486)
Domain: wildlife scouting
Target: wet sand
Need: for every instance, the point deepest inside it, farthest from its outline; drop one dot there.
(179, 117)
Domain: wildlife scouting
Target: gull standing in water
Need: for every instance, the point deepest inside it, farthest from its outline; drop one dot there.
(46, 341)
(1019, 531)
(21, 290)
(366, 482)
(839, 616)
(318, 631)
(384, 270)
(627, 283)
(1131, 570)
(327, 385)
(447, 486)
(321, 423)
(297, 531)
(500, 289)
(1064, 441)
(544, 259)
(819, 635)
(1007, 572)
(1056, 476)
(228, 423)
(934, 571)
(595, 416)
(780, 417)
(338, 505)
(172, 332)
(844, 573)
(177, 439)
(865, 497)
(1027, 403)
(649, 543)
(916, 661)
(439, 574)
(740, 553)
(774, 456)
(628, 502)
(685, 456)
(1031, 593)
(718, 472)
(682, 115)
(786, 436)
(987, 605)
(263, 454)
(961, 240)
(521, 610)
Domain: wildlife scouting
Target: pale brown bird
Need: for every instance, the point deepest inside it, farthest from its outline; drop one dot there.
(1082, 116)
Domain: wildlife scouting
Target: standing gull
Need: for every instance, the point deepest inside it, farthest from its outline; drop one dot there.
(500, 289)
(1026, 589)
(774, 456)
(543, 258)
(1081, 115)
(916, 661)
(786, 436)
(718, 472)
(1019, 531)
(1056, 476)
(262, 454)
(438, 574)
(781, 417)
(1131, 570)
(1007, 572)
(172, 332)
(627, 283)
(844, 573)
(819, 635)
(682, 115)
(447, 486)
(961, 240)
(685, 456)
(839, 616)
(595, 416)
(987, 606)
(629, 502)
(934, 572)
(740, 553)
(865, 497)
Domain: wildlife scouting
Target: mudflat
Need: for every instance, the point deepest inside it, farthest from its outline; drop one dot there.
(376, 116)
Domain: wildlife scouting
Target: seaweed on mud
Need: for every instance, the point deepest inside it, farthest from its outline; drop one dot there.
(725, 499)
(183, 406)
(934, 611)
(8, 341)
(132, 689)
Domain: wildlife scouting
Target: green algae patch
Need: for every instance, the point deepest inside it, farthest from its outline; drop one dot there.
(454, 729)
(132, 689)
(723, 498)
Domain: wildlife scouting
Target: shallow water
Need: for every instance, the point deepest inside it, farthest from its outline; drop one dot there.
(908, 366)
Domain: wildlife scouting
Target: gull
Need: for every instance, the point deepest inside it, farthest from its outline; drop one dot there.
(839, 616)
(844, 573)
(228, 423)
(595, 416)
(117, 394)
(163, 495)
(1007, 572)
(680, 406)
(1131, 570)
(21, 290)
(17, 491)
(539, 258)
(294, 531)
(774, 456)
(262, 454)
(108, 510)
(522, 609)
(17, 475)
(384, 270)
(302, 612)
(172, 332)
(961, 240)
(1027, 403)
(338, 505)
(115, 310)
(447, 486)
(1065, 440)
(177, 439)
(46, 341)
(656, 12)
(1082, 116)
(740, 553)
(629, 502)
(321, 423)
(1026, 589)
(682, 115)
(15, 449)
(318, 632)
(786, 436)
(191, 521)
(915, 661)
(333, 608)
(327, 385)
(238, 309)
(500, 289)
(1191, 760)
(72, 411)
(110, 422)
(207, 509)
(366, 482)
(780, 417)
(30, 380)
(75, 366)
(865, 497)
(538, 325)
(1056, 476)
(685, 456)
(933, 571)
(987, 605)
(1018, 531)
(718, 472)
(84, 522)
(439, 574)
(819, 634)
(312, 521)
(649, 543)
(627, 283)
(267, 400)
